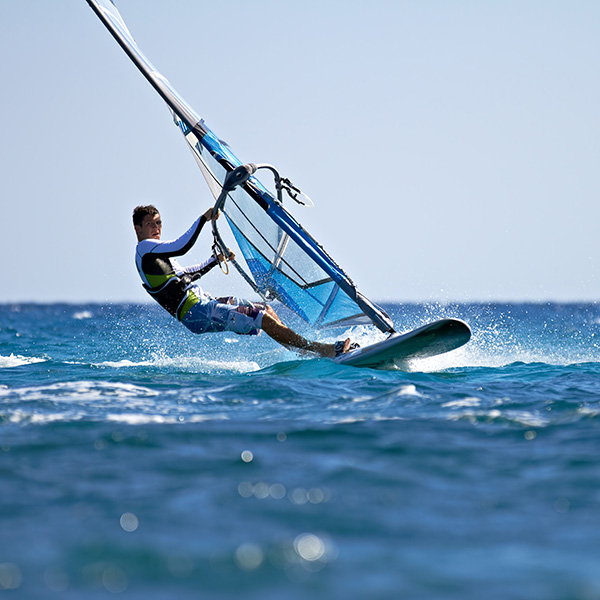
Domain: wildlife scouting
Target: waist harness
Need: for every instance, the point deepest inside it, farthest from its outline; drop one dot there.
(172, 293)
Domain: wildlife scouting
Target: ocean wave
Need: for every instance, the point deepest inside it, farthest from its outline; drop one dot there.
(497, 416)
(158, 419)
(82, 314)
(6, 362)
(185, 363)
(88, 391)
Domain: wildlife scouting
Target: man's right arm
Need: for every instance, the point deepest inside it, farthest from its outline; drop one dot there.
(183, 243)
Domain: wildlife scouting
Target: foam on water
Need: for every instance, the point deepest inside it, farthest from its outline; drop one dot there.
(160, 419)
(193, 364)
(88, 391)
(83, 314)
(7, 362)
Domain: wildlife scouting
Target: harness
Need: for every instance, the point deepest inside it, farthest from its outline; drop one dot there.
(172, 293)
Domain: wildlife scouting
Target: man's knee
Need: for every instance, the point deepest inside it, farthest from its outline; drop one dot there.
(267, 318)
(272, 314)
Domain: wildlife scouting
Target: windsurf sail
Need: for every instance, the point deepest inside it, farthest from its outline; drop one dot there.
(282, 261)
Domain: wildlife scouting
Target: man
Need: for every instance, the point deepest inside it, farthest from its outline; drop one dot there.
(173, 287)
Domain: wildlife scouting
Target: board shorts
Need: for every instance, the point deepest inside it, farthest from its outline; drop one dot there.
(225, 314)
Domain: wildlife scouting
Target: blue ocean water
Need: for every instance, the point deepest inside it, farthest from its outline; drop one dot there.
(137, 459)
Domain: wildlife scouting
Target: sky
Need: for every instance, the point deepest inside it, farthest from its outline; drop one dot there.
(452, 149)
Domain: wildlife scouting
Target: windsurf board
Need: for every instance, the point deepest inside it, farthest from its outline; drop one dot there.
(430, 340)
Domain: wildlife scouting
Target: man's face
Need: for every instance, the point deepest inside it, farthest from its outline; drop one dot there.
(150, 228)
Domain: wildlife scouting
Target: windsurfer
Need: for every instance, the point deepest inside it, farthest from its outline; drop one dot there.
(174, 288)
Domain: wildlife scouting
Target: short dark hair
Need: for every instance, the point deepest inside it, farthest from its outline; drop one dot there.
(141, 212)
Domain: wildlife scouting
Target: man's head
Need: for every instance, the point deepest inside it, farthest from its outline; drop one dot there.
(147, 223)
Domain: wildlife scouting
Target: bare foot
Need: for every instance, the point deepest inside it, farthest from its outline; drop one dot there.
(335, 352)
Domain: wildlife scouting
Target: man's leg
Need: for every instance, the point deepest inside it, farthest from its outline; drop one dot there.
(273, 327)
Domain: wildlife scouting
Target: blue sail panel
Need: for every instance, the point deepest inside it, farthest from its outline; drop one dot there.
(314, 301)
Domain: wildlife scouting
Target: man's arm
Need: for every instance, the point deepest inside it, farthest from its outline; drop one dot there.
(202, 268)
(183, 243)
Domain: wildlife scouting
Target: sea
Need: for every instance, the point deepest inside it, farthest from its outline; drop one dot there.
(140, 461)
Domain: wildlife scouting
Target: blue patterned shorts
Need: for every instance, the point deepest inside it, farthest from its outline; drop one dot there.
(225, 314)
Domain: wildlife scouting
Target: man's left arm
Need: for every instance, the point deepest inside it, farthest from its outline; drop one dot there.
(202, 268)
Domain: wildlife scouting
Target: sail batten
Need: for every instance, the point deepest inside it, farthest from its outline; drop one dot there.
(282, 261)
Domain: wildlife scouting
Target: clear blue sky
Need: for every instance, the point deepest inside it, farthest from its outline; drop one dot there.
(452, 148)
